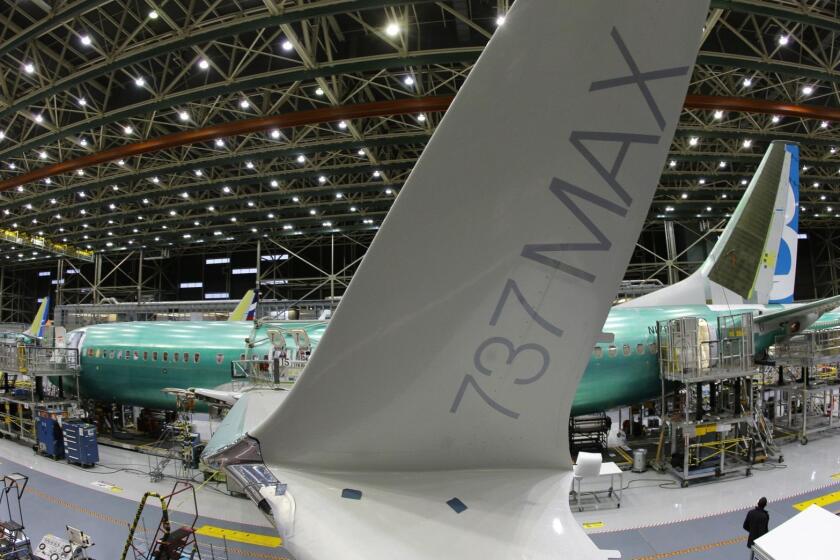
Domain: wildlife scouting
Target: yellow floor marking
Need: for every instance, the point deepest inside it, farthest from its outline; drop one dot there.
(593, 525)
(821, 501)
(240, 536)
(693, 549)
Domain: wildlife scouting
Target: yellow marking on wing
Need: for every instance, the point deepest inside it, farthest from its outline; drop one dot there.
(257, 539)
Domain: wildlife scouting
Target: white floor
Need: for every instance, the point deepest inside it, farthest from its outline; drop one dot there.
(130, 484)
(652, 499)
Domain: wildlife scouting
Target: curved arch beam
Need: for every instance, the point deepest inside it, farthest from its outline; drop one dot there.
(48, 23)
(234, 128)
(750, 105)
(224, 29)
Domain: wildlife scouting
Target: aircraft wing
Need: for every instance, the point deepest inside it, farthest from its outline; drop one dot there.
(440, 392)
(796, 318)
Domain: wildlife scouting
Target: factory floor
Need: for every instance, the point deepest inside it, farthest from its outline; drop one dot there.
(102, 501)
(658, 519)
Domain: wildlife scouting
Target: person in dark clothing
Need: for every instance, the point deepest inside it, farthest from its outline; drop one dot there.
(756, 523)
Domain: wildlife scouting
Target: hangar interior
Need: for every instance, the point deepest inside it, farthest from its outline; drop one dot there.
(188, 189)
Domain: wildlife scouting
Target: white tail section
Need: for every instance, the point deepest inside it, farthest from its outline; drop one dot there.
(752, 248)
(462, 337)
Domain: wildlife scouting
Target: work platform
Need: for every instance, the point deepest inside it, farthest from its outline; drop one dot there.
(36, 381)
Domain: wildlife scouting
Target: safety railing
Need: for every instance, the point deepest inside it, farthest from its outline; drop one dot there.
(278, 372)
(38, 360)
(809, 346)
(691, 349)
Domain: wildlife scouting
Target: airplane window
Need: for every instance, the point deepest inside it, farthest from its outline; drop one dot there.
(154, 356)
(598, 351)
(186, 357)
(96, 354)
(136, 355)
(166, 356)
(145, 356)
(196, 357)
(640, 349)
(127, 354)
(653, 348)
(176, 357)
(626, 349)
(612, 351)
(90, 352)
(242, 357)
(119, 355)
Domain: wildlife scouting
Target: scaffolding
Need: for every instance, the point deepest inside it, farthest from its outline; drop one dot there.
(711, 429)
(36, 381)
(801, 395)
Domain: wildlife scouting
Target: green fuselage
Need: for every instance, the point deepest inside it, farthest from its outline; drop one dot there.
(621, 372)
(131, 363)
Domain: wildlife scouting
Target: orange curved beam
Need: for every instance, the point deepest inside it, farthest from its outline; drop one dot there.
(375, 109)
(234, 128)
(749, 105)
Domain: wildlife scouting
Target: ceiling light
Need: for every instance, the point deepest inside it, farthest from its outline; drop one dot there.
(301, 158)
(39, 118)
(833, 150)
(312, 212)
(271, 216)
(326, 224)
(274, 183)
(747, 82)
(295, 199)
(211, 208)
(172, 212)
(233, 218)
(82, 211)
(342, 125)
(120, 162)
(500, 21)
(82, 102)
(408, 80)
(225, 189)
(83, 141)
(86, 40)
(708, 208)
(80, 172)
(183, 115)
(816, 184)
(20, 187)
(389, 191)
(421, 117)
(275, 134)
(775, 119)
(319, 91)
(718, 114)
(783, 40)
(128, 129)
(196, 223)
(743, 181)
(672, 163)
(287, 45)
(153, 14)
(43, 155)
(185, 195)
(139, 81)
(250, 204)
(339, 196)
(249, 164)
(288, 226)
(322, 179)
(693, 141)
(392, 29)
(747, 143)
(377, 173)
(807, 90)
(217, 233)
(203, 64)
(198, 172)
(684, 196)
(112, 206)
(722, 164)
(824, 124)
(724, 195)
(361, 152)
(145, 201)
(702, 181)
(352, 208)
(29, 68)
(12, 165)
(244, 103)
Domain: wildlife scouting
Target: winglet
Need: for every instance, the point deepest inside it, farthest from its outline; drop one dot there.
(36, 329)
(246, 309)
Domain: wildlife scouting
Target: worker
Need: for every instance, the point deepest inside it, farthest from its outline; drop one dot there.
(756, 524)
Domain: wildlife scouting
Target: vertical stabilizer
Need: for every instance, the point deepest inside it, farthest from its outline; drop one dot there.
(755, 245)
(784, 277)
(458, 342)
(36, 329)
(246, 309)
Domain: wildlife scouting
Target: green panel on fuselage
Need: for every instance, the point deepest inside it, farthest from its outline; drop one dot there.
(109, 376)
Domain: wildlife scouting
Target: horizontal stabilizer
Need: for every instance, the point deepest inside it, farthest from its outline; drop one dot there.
(796, 318)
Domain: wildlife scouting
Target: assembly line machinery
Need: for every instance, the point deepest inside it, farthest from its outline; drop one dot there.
(709, 431)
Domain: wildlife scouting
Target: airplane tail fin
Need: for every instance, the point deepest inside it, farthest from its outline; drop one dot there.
(754, 260)
(36, 329)
(246, 309)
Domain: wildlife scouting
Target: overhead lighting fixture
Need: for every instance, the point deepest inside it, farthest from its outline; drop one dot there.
(287, 45)
(86, 40)
(39, 118)
(20, 187)
(43, 155)
(183, 115)
(743, 181)
(684, 196)
(708, 208)
(339, 196)
(274, 183)
(389, 191)
(249, 164)
(807, 90)
(784, 40)
(12, 165)
(353, 208)
(702, 181)
(301, 158)
(295, 199)
(244, 103)
(319, 91)
(173, 213)
(233, 218)
(361, 152)
(288, 226)
(140, 81)
(312, 212)
(724, 195)
(326, 224)
(198, 172)
(322, 179)
(211, 208)
(220, 143)
(145, 201)
(275, 134)
(500, 21)
(824, 124)
(421, 117)
(226, 189)
(112, 206)
(722, 164)
(747, 82)
(82, 102)
(816, 184)
(29, 68)
(747, 143)
(693, 141)
(128, 129)
(775, 119)
(80, 172)
(185, 195)
(718, 114)
(83, 142)
(408, 80)
(153, 14)
(250, 203)
(203, 64)
(672, 164)
(120, 162)
(47, 181)
(271, 216)
(392, 29)
(342, 125)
